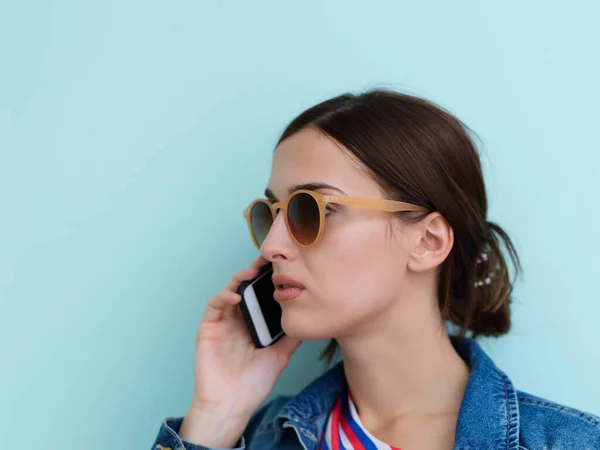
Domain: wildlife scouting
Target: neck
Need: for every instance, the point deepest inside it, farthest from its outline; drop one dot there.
(402, 368)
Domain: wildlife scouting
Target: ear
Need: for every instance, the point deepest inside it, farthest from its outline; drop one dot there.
(433, 243)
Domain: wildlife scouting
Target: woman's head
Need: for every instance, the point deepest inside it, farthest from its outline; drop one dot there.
(370, 266)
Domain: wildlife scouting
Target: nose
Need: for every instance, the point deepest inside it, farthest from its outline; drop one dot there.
(278, 245)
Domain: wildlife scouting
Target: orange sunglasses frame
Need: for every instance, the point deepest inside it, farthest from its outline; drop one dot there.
(322, 201)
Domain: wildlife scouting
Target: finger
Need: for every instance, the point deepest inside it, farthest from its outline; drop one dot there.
(239, 276)
(287, 345)
(228, 297)
(226, 300)
(219, 304)
(259, 262)
(234, 313)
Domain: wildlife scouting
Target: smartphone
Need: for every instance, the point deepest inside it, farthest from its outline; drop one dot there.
(261, 312)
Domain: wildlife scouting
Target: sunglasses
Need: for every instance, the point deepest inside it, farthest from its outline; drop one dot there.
(304, 214)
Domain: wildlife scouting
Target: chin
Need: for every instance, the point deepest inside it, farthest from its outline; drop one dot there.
(305, 328)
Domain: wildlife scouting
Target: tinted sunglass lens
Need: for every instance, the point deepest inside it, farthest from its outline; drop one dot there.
(304, 218)
(261, 220)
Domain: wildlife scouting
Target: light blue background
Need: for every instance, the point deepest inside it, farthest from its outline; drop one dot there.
(132, 135)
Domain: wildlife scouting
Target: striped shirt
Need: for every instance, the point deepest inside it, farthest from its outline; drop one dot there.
(345, 431)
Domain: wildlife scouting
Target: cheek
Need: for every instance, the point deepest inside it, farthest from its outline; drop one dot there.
(356, 269)
(360, 253)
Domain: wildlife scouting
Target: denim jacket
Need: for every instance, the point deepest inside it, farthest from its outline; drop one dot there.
(492, 415)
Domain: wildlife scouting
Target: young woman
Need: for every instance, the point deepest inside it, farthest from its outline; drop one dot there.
(379, 238)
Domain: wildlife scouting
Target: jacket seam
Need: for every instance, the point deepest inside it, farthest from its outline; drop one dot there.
(306, 433)
(300, 418)
(561, 408)
(173, 434)
(507, 412)
(509, 407)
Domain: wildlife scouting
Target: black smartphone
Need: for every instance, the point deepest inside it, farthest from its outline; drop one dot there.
(261, 312)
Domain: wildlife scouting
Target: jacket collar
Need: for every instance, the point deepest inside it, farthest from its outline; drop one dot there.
(488, 415)
(489, 412)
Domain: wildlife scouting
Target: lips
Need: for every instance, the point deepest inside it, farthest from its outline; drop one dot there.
(284, 280)
(286, 288)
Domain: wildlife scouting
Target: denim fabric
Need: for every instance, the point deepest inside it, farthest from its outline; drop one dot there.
(493, 415)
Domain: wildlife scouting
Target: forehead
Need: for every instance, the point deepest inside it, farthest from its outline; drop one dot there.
(310, 156)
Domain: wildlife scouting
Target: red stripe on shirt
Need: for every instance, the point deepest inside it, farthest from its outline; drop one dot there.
(352, 437)
(335, 423)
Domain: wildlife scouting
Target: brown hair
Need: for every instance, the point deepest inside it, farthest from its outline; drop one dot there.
(421, 154)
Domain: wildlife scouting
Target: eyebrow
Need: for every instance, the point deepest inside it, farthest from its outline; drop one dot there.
(308, 186)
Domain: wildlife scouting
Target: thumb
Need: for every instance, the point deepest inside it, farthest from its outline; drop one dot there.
(287, 345)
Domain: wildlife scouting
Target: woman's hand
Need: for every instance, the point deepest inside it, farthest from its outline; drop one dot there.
(232, 378)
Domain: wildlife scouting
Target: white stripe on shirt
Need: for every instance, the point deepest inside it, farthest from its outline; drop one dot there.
(379, 444)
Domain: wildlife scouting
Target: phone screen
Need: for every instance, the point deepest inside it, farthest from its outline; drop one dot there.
(264, 289)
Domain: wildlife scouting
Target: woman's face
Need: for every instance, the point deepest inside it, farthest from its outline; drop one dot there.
(356, 272)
